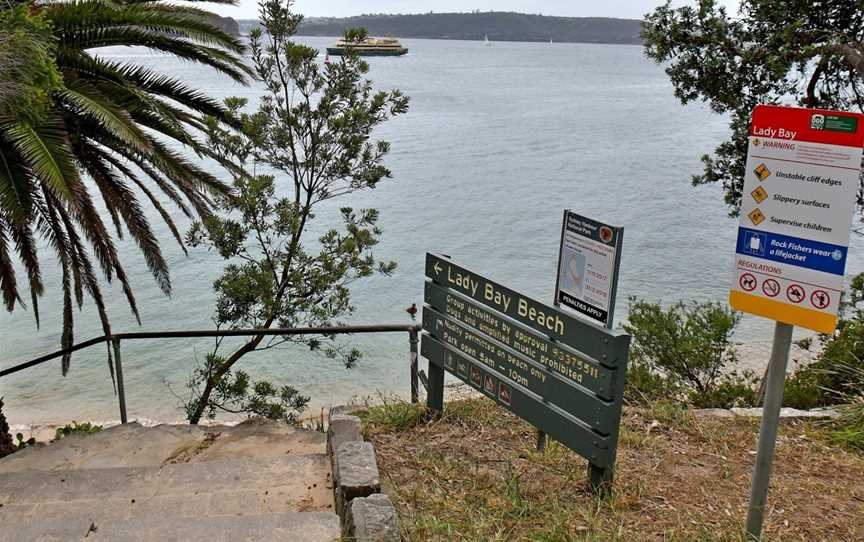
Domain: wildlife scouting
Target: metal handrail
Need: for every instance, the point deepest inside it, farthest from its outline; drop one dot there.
(116, 338)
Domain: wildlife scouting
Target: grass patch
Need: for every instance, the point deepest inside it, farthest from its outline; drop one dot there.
(474, 475)
(390, 416)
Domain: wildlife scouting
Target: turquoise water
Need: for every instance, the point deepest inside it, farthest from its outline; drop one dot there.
(499, 140)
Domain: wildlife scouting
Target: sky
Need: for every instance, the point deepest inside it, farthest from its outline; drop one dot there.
(628, 9)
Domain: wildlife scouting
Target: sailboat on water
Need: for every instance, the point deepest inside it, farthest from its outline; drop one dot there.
(486, 41)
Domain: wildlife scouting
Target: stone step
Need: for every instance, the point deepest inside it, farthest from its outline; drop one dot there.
(133, 445)
(283, 527)
(187, 490)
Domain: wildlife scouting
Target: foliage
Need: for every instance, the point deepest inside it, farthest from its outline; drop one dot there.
(803, 390)
(850, 425)
(685, 353)
(24, 443)
(76, 428)
(732, 390)
(792, 51)
(98, 129)
(236, 393)
(690, 344)
(645, 385)
(312, 131)
(26, 53)
(833, 375)
(393, 415)
(7, 445)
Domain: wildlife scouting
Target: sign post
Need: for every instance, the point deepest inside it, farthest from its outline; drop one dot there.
(587, 279)
(559, 373)
(801, 184)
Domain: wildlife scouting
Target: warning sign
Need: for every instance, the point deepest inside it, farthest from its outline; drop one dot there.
(760, 194)
(803, 176)
(756, 217)
(762, 172)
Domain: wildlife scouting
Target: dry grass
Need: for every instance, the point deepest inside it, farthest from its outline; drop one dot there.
(474, 475)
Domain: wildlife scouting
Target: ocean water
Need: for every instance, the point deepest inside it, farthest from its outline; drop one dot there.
(499, 140)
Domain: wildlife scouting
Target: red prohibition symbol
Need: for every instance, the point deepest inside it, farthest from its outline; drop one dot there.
(820, 299)
(747, 282)
(771, 288)
(795, 293)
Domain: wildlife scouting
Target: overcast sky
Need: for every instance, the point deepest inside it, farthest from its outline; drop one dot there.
(630, 9)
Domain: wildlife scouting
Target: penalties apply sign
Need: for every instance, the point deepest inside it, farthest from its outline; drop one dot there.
(800, 189)
(588, 263)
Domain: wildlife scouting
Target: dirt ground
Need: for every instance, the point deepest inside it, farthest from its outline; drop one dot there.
(474, 475)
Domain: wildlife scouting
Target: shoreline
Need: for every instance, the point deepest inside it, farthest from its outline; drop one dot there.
(753, 356)
(45, 432)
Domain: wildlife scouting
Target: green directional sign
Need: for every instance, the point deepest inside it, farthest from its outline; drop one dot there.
(563, 375)
(585, 407)
(527, 405)
(594, 341)
(552, 356)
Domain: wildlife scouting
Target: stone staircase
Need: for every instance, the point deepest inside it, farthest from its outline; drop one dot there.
(258, 481)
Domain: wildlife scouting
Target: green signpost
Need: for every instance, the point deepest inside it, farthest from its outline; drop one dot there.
(563, 375)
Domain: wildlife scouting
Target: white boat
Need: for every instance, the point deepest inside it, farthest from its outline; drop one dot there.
(486, 41)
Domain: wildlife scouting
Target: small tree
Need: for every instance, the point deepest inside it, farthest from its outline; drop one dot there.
(802, 52)
(313, 132)
(687, 347)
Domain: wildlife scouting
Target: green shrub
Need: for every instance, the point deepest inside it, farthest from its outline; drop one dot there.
(831, 378)
(685, 352)
(802, 390)
(76, 428)
(646, 386)
(732, 390)
(850, 425)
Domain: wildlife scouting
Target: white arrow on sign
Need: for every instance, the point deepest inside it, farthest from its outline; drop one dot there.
(437, 268)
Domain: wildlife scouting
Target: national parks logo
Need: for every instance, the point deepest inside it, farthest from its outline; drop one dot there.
(606, 234)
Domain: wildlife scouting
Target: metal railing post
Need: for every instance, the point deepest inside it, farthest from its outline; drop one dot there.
(415, 379)
(118, 371)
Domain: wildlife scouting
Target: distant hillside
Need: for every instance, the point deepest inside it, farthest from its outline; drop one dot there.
(499, 26)
(227, 24)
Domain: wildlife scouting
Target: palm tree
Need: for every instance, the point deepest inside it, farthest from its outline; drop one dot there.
(111, 123)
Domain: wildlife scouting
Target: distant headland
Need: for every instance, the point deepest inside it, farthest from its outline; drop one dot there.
(498, 26)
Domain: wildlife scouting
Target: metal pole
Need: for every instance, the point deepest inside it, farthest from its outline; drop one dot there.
(768, 429)
(118, 370)
(415, 384)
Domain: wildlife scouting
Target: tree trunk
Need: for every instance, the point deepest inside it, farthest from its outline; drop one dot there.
(216, 377)
(7, 445)
(854, 54)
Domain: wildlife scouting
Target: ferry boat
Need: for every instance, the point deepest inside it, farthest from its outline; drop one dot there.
(370, 47)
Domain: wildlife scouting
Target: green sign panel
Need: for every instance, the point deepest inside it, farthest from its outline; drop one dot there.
(551, 356)
(593, 341)
(561, 374)
(838, 123)
(526, 405)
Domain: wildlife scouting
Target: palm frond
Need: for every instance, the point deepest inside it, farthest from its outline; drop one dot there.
(45, 148)
(109, 121)
(85, 100)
